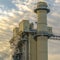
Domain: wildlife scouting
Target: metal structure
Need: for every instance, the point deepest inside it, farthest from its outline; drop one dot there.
(29, 43)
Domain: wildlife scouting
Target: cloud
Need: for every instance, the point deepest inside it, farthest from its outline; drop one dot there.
(57, 1)
(54, 57)
(4, 50)
(4, 45)
(54, 47)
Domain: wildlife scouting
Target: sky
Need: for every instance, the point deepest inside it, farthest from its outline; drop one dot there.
(14, 11)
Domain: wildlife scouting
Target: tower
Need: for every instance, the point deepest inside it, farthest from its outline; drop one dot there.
(31, 44)
(42, 31)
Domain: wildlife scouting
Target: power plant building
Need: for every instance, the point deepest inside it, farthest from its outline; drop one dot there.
(29, 43)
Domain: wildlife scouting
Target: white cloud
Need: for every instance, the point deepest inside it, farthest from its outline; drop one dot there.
(57, 1)
(4, 45)
(54, 57)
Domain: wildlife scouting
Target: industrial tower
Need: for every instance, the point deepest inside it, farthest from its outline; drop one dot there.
(29, 43)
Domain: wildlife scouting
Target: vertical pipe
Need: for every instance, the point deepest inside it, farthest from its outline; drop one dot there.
(32, 48)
